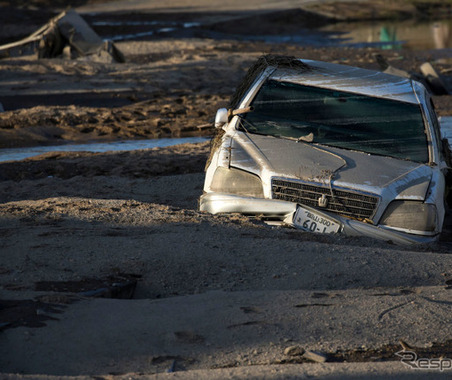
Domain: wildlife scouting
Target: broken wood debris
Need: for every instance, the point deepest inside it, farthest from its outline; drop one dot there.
(66, 35)
(294, 351)
(429, 77)
(315, 356)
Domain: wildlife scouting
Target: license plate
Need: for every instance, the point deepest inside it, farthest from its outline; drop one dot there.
(313, 221)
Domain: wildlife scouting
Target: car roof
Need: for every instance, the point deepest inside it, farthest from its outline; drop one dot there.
(350, 79)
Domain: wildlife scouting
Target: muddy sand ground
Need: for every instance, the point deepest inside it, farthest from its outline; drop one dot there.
(109, 271)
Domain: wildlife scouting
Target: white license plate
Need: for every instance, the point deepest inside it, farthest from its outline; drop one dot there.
(312, 221)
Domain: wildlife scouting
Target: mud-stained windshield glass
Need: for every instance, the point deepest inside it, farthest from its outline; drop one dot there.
(339, 119)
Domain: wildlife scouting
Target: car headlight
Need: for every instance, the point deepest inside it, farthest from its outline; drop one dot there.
(236, 182)
(410, 215)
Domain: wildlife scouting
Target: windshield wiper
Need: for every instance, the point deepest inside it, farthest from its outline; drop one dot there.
(243, 121)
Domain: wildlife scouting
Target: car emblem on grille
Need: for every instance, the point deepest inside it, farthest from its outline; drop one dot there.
(322, 201)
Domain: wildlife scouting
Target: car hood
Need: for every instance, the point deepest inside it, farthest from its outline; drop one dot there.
(276, 157)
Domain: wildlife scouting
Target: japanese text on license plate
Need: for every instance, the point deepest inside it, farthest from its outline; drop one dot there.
(311, 221)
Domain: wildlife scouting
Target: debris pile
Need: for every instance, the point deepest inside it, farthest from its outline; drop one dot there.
(429, 76)
(67, 35)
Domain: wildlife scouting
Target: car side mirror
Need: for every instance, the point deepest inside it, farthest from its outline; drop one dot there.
(221, 118)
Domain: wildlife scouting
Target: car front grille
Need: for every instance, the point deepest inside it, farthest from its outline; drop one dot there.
(346, 203)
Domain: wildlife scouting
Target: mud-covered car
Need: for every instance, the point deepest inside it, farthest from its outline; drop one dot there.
(330, 148)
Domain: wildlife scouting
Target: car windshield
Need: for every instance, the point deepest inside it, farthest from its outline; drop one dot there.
(339, 119)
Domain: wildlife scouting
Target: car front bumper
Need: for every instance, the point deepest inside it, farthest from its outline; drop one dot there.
(217, 203)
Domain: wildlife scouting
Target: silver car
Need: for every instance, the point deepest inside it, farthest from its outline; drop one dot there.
(329, 148)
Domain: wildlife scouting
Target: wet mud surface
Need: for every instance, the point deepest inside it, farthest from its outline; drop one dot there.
(90, 235)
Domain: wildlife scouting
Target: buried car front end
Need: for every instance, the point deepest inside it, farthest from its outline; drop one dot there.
(312, 205)
(345, 168)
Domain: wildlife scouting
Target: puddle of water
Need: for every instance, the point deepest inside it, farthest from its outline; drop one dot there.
(390, 35)
(156, 27)
(16, 154)
(394, 35)
(307, 37)
(130, 23)
(144, 23)
(408, 34)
